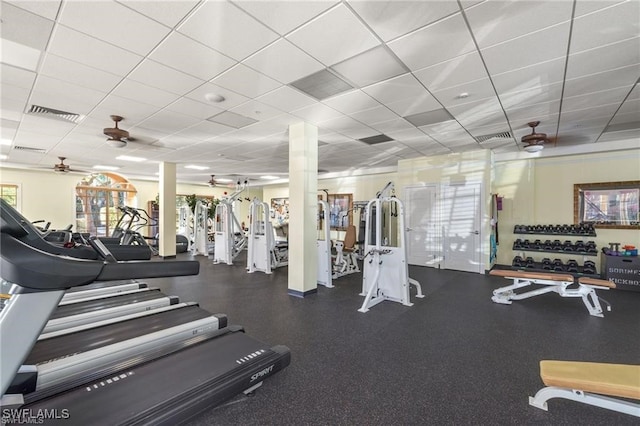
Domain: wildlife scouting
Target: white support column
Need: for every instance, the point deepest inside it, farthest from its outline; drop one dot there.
(303, 199)
(167, 220)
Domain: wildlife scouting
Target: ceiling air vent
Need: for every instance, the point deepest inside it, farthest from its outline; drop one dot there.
(491, 137)
(30, 149)
(54, 113)
(321, 85)
(372, 140)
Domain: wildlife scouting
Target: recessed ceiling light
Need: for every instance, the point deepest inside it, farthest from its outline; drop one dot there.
(214, 97)
(6, 142)
(129, 158)
(3, 157)
(463, 95)
(268, 177)
(100, 167)
(194, 167)
(224, 180)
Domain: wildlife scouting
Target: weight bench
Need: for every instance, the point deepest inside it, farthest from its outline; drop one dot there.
(590, 383)
(551, 282)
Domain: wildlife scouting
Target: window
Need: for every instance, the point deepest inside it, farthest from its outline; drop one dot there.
(9, 193)
(98, 197)
(608, 205)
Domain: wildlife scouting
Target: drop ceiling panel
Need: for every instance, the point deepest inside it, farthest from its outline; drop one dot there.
(224, 27)
(77, 73)
(370, 67)
(113, 23)
(494, 22)
(203, 130)
(454, 72)
(531, 96)
(423, 47)
(256, 110)
(396, 89)
(163, 77)
(16, 94)
(483, 112)
(45, 8)
(392, 19)
(242, 79)
(621, 77)
(184, 54)
(193, 108)
(92, 52)
(374, 115)
(52, 93)
(132, 111)
(610, 25)
(333, 36)
(409, 106)
(168, 13)
(25, 28)
(350, 102)
(533, 112)
(539, 74)
(616, 55)
(284, 16)
(393, 126)
(17, 77)
(133, 90)
(276, 61)
(316, 113)
(613, 96)
(286, 99)
(528, 50)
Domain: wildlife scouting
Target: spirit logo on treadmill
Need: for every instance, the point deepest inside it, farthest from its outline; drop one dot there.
(261, 374)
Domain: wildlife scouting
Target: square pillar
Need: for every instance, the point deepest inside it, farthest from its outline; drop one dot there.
(167, 213)
(303, 203)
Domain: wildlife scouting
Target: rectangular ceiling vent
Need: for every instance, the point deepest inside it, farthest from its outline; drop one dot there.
(372, 140)
(321, 85)
(487, 138)
(54, 113)
(30, 149)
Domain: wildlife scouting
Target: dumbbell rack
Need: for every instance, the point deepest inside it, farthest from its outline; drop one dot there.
(551, 231)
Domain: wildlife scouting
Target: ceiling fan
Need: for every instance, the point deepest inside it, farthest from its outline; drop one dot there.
(64, 168)
(117, 137)
(213, 182)
(534, 142)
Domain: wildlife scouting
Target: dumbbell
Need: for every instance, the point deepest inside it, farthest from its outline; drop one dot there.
(591, 247)
(517, 261)
(572, 265)
(557, 245)
(529, 263)
(558, 265)
(548, 245)
(589, 267)
(537, 244)
(567, 246)
(525, 244)
(546, 264)
(517, 245)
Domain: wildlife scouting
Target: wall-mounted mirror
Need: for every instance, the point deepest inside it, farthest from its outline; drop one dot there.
(607, 204)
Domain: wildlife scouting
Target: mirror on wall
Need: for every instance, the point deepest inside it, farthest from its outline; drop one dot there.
(607, 204)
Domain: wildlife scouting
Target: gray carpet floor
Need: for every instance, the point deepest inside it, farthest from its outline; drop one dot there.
(454, 358)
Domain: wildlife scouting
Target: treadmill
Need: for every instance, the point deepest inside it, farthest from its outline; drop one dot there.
(207, 370)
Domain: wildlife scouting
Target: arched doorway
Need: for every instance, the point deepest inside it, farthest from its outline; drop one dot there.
(98, 197)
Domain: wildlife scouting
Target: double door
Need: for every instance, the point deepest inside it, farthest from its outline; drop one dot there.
(443, 224)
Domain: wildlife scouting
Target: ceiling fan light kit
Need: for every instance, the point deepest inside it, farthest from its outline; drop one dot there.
(116, 143)
(534, 141)
(117, 136)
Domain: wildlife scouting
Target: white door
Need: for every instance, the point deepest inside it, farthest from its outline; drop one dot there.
(424, 242)
(460, 216)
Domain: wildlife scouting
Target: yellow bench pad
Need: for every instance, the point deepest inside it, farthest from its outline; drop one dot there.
(606, 379)
(531, 275)
(596, 281)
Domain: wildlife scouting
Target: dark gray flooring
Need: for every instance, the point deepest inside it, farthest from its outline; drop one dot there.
(454, 358)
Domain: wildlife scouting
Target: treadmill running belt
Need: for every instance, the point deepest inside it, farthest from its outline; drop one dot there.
(86, 340)
(107, 302)
(171, 389)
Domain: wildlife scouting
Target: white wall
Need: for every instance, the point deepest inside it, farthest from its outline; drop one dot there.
(540, 192)
(51, 196)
